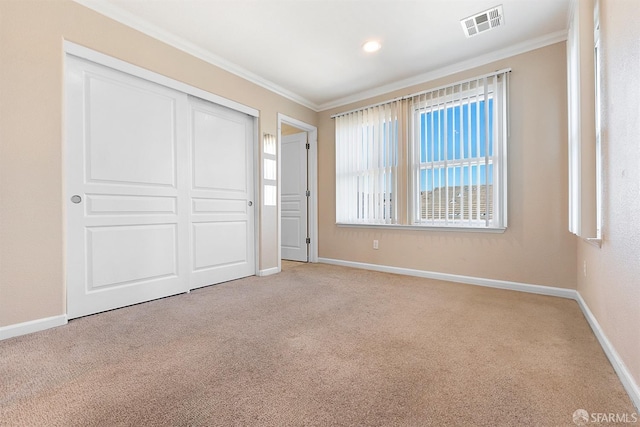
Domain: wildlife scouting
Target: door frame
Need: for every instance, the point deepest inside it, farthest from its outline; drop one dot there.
(312, 184)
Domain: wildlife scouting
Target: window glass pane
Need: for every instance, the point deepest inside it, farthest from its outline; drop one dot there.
(425, 129)
(270, 195)
(491, 127)
(457, 152)
(270, 169)
(473, 129)
(269, 144)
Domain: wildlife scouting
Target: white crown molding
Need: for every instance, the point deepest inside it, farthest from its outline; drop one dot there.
(510, 51)
(117, 14)
(573, 4)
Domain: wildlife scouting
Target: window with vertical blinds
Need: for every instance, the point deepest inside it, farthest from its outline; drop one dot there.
(366, 165)
(451, 162)
(458, 154)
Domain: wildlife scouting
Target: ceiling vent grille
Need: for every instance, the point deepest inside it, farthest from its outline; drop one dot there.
(483, 21)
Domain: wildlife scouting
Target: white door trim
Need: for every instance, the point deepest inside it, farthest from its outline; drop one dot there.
(257, 193)
(312, 183)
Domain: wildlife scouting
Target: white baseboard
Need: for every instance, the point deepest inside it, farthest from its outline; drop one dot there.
(32, 326)
(269, 271)
(469, 280)
(625, 376)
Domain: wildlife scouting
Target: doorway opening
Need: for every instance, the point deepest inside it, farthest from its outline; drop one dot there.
(297, 191)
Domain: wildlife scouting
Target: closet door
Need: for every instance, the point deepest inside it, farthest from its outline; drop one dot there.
(126, 196)
(221, 192)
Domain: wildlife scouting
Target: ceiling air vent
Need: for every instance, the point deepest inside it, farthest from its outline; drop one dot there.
(483, 21)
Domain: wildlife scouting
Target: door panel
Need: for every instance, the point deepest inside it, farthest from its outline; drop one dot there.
(219, 244)
(130, 254)
(293, 197)
(130, 134)
(104, 204)
(221, 218)
(219, 149)
(126, 240)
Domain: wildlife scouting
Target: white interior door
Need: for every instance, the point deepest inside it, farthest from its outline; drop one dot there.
(293, 197)
(221, 192)
(127, 239)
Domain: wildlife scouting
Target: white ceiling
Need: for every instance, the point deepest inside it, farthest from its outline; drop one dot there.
(310, 50)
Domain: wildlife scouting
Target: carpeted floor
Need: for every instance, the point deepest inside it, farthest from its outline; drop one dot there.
(316, 345)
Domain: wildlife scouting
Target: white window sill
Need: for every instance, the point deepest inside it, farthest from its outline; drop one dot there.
(498, 230)
(595, 241)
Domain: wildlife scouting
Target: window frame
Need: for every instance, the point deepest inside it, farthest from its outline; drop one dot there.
(405, 200)
(498, 159)
(375, 166)
(584, 142)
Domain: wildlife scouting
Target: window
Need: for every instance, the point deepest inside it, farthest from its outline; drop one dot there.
(459, 155)
(598, 122)
(445, 148)
(584, 122)
(574, 137)
(366, 165)
(270, 194)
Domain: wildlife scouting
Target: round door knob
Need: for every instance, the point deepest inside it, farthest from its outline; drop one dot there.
(250, 203)
(76, 199)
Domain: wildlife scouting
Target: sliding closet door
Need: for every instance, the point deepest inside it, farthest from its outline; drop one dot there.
(126, 198)
(159, 196)
(221, 193)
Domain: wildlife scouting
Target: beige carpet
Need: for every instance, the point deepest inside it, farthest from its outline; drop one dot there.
(316, 345)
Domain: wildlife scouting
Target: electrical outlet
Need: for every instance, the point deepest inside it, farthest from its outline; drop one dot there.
(584, 268)
(375, 244)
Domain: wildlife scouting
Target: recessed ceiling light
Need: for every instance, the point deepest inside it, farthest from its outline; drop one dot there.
(371, 46)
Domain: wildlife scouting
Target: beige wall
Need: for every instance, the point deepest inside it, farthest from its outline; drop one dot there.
(289, 130)
(31, 142)
(536, 248)
(611, 287)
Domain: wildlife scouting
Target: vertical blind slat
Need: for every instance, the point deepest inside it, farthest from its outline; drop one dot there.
(461, 195)
(486, 150)
(469, 169)
(477, 105)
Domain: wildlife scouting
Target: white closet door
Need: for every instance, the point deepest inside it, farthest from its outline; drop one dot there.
(294, 198)
(221, 193)
(126, 195)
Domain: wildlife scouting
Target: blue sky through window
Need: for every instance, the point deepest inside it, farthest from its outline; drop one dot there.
(458, 138)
